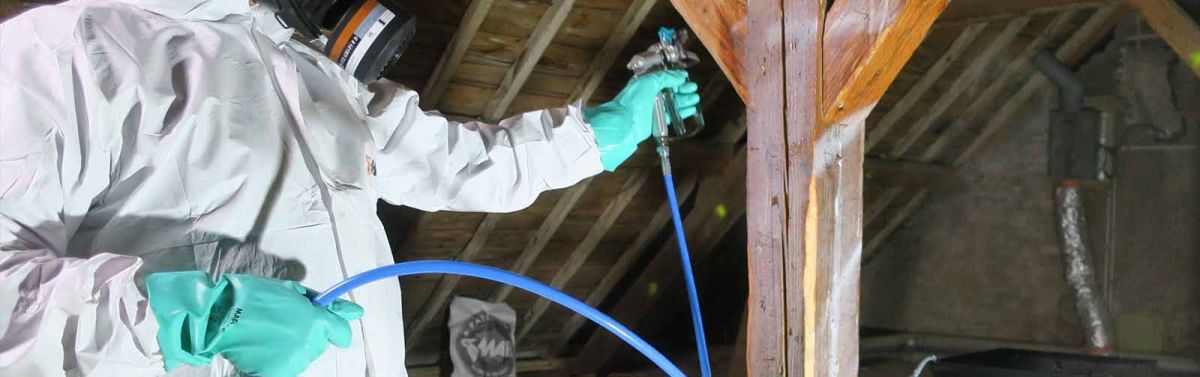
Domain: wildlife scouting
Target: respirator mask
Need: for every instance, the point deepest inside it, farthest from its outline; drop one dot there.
(362, 36)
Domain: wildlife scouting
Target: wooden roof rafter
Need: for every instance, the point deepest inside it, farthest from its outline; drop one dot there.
(608, 55)
(455, 51)
(514, 79)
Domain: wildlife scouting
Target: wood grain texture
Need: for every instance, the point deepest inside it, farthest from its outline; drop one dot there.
(584, 250)
(445, 288)
(721, 27)
(448, 63)
(706, 226)
(543, 235)
(880, 129)
(1175, 26)
(866, 44)
(968, 78)
(620, 269)
(770, 347)
(514, 80)
(608, 55)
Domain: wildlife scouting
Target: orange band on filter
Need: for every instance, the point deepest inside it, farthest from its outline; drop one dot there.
(351, 26)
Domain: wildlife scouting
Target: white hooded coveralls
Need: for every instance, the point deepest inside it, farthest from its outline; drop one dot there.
(164, 135)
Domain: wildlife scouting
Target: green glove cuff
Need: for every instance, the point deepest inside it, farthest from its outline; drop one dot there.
(628, 119)
(263, 326)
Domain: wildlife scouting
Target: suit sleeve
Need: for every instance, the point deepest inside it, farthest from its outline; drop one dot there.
(432, 163)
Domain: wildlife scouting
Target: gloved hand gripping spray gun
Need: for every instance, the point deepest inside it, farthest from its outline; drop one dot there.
(671, 54)
(668, 54)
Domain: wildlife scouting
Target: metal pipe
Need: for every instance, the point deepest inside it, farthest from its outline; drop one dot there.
(945, 346)
(1081, 277)
(1070, 87)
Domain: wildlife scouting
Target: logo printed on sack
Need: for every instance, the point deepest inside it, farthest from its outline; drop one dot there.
(484, 340)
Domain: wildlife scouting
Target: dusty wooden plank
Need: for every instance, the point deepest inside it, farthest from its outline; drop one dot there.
(472, 18)
(1019, 65)
(445, 288)
(769, 345)
(1175, 26)
(966, 39)
(633, 252)
(543, 235)
(721, 27)
(612, 49)
(706, 225)
(866, 44)
(514, 80)
(1071, 52)
(973, 73)
(584, 250)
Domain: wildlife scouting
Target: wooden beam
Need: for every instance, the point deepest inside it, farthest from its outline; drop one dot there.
(972, 74)
(721, 27)
(804, 179)
(584, 250)
(632, 254)
(445, 288)
(965, 39)
(613, 46)
(783, 113)
(706, 225)
(1175, 26)
(539, 40)
(1018, 66)
(544, 234)
(866, 44)
(472, 19)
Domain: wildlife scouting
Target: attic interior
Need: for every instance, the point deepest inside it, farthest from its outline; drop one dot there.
(960, 246)
(953, 236)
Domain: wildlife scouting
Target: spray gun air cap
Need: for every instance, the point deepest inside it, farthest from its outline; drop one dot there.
(666, 35)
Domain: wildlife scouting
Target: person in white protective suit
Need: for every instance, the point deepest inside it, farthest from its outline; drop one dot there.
(171, 172)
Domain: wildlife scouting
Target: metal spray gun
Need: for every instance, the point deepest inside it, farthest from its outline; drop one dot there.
(669, 53)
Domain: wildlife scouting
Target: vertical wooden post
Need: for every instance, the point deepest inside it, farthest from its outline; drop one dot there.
(783, 72)
(812, 79)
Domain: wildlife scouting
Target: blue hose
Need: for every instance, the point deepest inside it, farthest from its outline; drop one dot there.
(506, 277)
(689, 278)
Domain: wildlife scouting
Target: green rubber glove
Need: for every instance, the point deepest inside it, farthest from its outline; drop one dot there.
(628, 119)
(264, 327)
